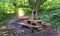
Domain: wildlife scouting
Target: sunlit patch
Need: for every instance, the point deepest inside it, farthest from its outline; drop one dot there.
(8, 12)
(48, 7)
(6, 5)
(49, 0)
(21, 12)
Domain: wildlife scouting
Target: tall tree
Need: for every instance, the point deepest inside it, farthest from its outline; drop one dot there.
(35, 5)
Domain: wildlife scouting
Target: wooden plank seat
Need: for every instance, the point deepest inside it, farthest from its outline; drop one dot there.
(35, 21)
(29, 25)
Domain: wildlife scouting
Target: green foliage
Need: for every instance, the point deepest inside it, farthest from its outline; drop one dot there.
(50, 4)
(52, 17)
(50, 13)
(6, 7)
(4, 17)
(6, 11)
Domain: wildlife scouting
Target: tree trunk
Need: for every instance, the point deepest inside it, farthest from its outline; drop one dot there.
(34, 14)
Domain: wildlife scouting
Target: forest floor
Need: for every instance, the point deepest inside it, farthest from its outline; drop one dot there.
(42, 33)
(51, 32)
